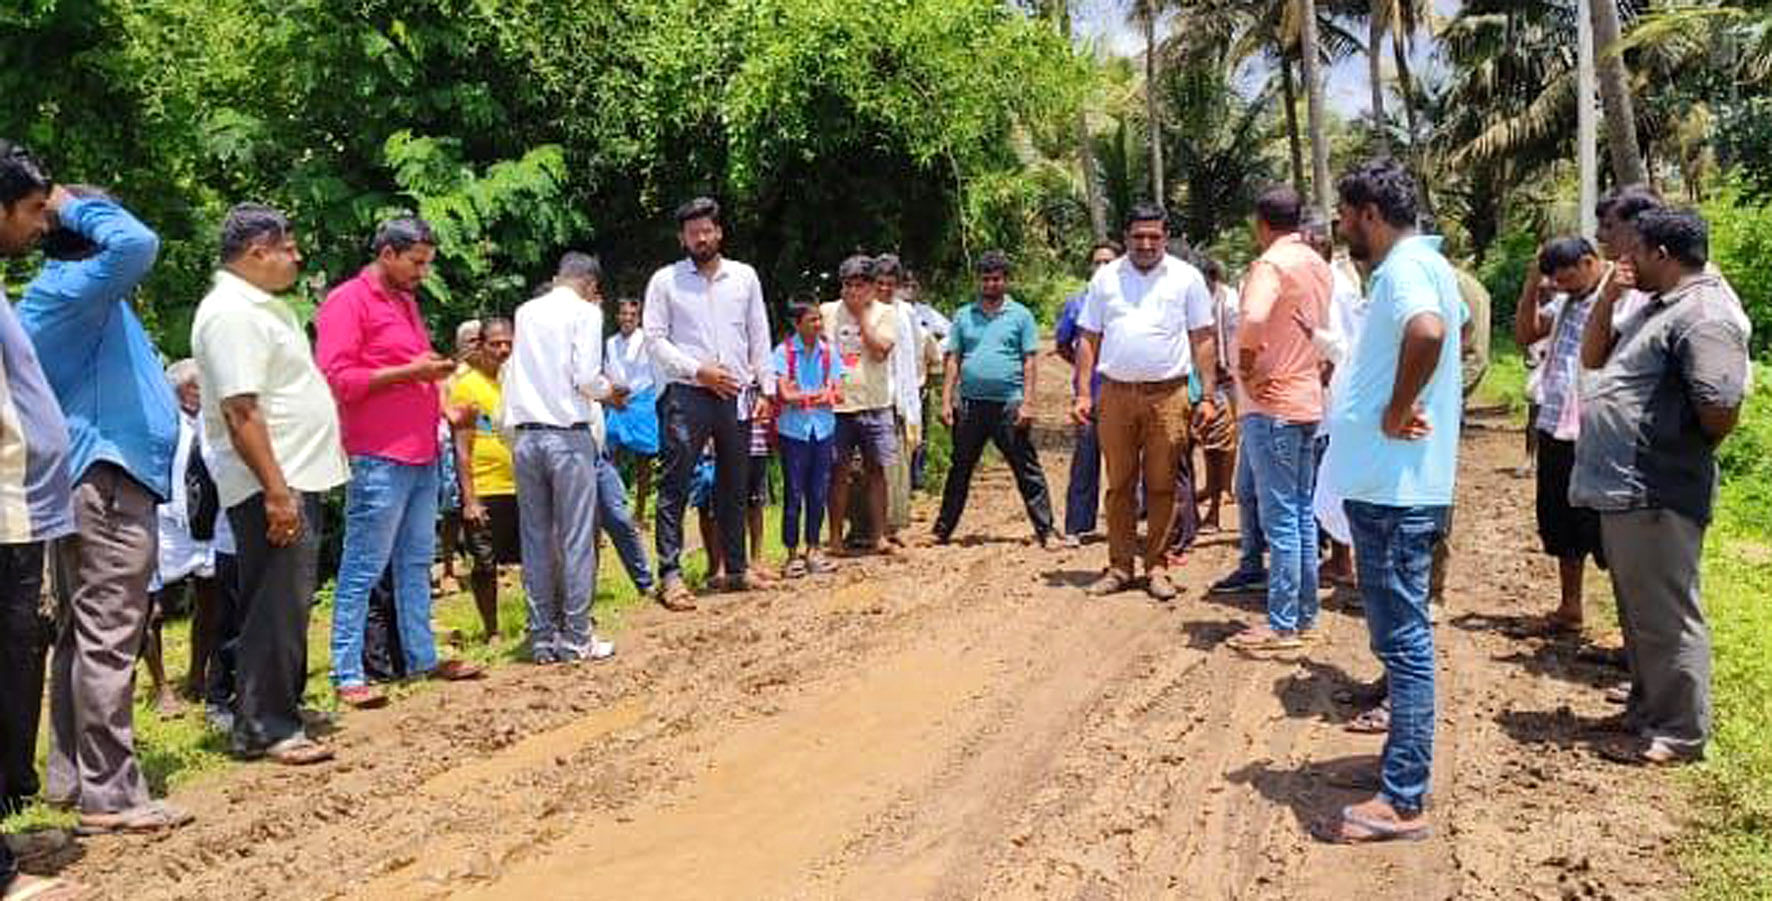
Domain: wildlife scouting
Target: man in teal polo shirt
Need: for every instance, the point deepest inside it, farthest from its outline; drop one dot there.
(990, 370)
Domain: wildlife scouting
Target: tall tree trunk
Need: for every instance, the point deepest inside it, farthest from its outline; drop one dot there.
(1061, 13)
(1615, 96)
(1289, 94)
(1375, 16)
(1314, 111)
(1400, 45)
(1153, 124)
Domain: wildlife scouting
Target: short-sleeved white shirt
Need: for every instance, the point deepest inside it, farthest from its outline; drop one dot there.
(246, 341)
(1144, 318)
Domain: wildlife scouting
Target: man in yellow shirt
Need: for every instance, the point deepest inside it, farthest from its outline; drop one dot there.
(483, 465)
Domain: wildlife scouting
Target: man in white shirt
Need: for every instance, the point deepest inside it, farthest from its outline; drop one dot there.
(709, 333)
(271, 422)
(555, 365)
(1146, 324)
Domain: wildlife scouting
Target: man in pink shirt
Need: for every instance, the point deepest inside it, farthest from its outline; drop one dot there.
(377, 356)
(1280, 394)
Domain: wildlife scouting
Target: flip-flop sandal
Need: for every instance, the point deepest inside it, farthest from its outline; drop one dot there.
(298, 751)
(677, 598)
(819, 566)
(1375, 831)
(1376, 721)
(154, 816)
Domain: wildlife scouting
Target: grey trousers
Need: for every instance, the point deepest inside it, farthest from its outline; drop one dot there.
(1654, 556)
(275, 595)
(101, 582)
(556, 523)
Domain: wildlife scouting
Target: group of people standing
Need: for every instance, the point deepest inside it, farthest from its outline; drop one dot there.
(1319, 404)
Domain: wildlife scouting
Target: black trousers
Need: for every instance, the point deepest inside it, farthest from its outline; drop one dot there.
(24, 642)
(977, 422)
(688, 417)
(276, 594)
(220, 678)
(384, 660)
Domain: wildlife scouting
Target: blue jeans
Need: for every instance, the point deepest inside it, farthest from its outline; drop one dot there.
(614, 518)
(1394, 549)
(556, 484)
(1281, 455)
(1082, 497)
(1250, 543)
(390, 524)
(806, 481)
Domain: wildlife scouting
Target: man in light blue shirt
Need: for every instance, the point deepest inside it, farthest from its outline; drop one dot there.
(1396, 422)
(123, 429)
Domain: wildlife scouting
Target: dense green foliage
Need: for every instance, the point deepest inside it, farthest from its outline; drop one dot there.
(523, 127)
(1735, 784)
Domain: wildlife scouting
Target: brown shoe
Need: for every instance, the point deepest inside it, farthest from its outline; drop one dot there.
(362, 697)
(676, 597)
(456, 671)
(1111, 582)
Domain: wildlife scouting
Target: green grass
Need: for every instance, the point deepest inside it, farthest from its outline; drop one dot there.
(1730, 857)
(1504, 385)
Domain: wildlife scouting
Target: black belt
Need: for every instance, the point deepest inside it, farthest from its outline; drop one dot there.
(545, 427)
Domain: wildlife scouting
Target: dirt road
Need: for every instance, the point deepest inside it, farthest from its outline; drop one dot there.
(962, 722)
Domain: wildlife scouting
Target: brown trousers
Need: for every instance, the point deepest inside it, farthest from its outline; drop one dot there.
(101, 581)
(1143, 428)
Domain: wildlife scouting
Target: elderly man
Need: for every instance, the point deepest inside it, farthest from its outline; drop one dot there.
(1146, 324)
(1668, 390)
(123, 422)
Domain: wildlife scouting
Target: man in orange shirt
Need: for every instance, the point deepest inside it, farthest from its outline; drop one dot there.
(1280, 394)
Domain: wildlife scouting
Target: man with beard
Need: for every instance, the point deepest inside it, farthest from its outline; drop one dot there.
(1395, 427)
(37, 511)
(708, 329)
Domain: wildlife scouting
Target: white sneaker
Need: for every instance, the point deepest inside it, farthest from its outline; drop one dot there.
(1073, 541)
(600, 649)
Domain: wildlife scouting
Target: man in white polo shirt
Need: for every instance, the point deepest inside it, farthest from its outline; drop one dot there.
(1146, 323)
(273, 427)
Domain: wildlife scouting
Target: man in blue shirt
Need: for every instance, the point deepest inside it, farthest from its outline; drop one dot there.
(991, 362)
(123, 427)
(1396, 423)
(1082, 497)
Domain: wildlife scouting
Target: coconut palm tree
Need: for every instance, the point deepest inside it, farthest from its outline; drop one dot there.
(1615, 96)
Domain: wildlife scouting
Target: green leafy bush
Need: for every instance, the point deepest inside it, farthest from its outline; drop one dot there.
(1741, 246)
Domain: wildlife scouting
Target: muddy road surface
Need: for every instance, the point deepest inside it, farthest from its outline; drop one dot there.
(958, 722)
